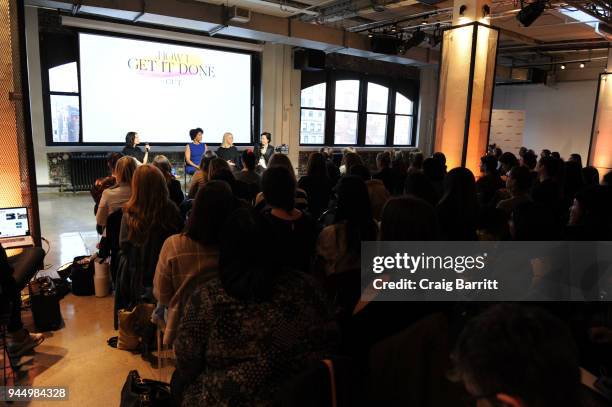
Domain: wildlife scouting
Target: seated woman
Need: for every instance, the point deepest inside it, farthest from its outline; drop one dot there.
(339, 245)
(174, 186)
(264, 150)
(250, 329)
(194, 252)
(301, 199)
(149, 218)
(201, 175)
(115, 197)
(290, 231)
(194, 151)
(228, 151)
(317, 184)
(106, 182)
(248, 174)
(131, 148)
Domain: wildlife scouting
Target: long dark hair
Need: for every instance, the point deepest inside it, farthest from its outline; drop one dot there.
(458, 208)
(316, 168)
(211, 208)
(408, 218)
(129, 139)
(243, 270)
(354, 211)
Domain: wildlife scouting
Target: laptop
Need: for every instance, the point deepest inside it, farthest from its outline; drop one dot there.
(15, 228)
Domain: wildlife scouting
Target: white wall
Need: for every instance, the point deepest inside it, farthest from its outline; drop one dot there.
(558, 118)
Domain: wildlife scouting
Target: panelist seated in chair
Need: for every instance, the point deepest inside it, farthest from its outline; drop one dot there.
(19, 340)
(194, 151)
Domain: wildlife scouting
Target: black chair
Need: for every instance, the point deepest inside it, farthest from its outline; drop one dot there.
(113, 228)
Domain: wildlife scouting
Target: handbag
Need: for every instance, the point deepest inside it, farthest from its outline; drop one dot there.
(132, 324)
(138, 392)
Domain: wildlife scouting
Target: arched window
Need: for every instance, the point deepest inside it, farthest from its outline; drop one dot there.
(356, 111)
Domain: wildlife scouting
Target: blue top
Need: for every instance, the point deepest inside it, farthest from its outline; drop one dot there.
(197, 152)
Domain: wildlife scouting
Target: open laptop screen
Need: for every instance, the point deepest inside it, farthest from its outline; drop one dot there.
(14, 222)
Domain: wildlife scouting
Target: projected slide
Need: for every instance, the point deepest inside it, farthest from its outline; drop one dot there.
(161, 91)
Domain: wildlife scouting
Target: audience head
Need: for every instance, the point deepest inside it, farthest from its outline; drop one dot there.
(577, 158)
(163, 164)
(556, 154)
(224, 174)
(243, 271)
(124, 170)
(522, 151)
(545, 153)
(216, 165)
(590, 176)
(206, 160)
(488, 165)
(416, 160)
(433, 169)
(361, 171)
(572, 177)
(498, 153)
(316, 168)
(518, 356)
(148, 204)
(354, 210)
(248, 159)
(111, 161)
(532, 222)
(607, 179)
(519, 181)
(441, 158)
(281, 160)
(460, 189)
(131, 139)
(265, 138)
(228, 140)
(378, 195)
(591, 209)
(278, 186)
(549, 168)
(350, 159)
(492, 224)
(383, 160)
(529, 160)
(408, 218)
(508, 161)
(196, 134)
(420, 186)
(211, 207)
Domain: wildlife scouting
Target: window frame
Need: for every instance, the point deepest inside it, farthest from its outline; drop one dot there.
(406, 87)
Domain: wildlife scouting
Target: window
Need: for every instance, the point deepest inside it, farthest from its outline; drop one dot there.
(360, 111)
(313, 113)
(64, 101)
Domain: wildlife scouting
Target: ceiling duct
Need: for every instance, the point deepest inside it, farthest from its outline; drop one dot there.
(604, 30)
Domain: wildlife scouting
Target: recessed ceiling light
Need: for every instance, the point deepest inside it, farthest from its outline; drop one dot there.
(582, 64)
(562, 66)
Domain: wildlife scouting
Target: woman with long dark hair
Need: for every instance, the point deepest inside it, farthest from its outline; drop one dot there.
(174, 185)
(317, 184)
(458, 209)
(339, 245)
(131, 148)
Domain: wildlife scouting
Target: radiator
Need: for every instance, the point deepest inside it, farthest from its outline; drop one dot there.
(85, 169)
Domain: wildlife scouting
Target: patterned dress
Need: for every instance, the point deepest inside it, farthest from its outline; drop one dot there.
(239, 353)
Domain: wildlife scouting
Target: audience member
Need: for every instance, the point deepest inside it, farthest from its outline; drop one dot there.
(590, 215)
(378, 197)
(399, 169)
(572, 181)
(317, 184)
(227, 151)
(416, 162)
(488, 185)
(420, 186)
(362, 172)
(194, 252)
(301, 198)
(507, 161)
(174, 186)
(607, 179)
(333, 172)
(114, 198)
(248, 174)
(290, 231)
(103, 183)
(457, 210)
(339, 245)
(201, 175)
(590, 176)
(409, 219)
(545, 153)
(533, 222)
(131, 148)
(547, 191)
(149, 217)
(556, 154)
(194, 151)
(435, 171)
(349, 159)
(438, 155)
(517, 184)
(518, 356)
(577, 158)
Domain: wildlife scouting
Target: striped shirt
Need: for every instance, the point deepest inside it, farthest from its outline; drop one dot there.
(180, 259)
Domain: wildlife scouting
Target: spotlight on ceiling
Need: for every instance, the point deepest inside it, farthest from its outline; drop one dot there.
(436, 37)
(531, 12)
(393, 29)
(486, 11)
(581, 65)
(370, 35)
(562, 66)
(417, 37)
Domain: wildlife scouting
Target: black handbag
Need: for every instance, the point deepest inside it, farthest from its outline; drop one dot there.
(138, 392)
(82, 276)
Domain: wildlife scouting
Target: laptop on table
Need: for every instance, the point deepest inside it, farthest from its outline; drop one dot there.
(15, 228)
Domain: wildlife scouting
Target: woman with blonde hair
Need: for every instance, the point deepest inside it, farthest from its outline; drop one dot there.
(228, 151)
(149, 217)
(115, 197)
